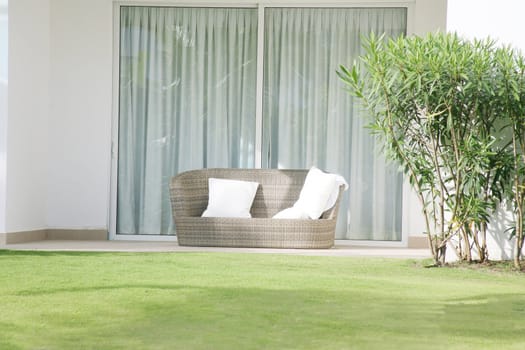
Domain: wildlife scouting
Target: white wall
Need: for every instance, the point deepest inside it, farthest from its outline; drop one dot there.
(28, 111)
(3, 39)
(430, 16)
(61, 137)
(3, 107)
(501, 20)
(80, 117)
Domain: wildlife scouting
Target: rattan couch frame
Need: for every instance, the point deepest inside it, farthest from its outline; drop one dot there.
(278, 189)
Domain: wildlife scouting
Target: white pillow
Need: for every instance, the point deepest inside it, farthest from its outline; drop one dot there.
(230, 198)
(317, 190)
(291, 213)
(339, 181)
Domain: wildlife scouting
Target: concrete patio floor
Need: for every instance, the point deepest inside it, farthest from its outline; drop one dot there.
(142, 246)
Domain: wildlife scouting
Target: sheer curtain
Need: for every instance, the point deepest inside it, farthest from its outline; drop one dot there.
(187, 100)
(310, 120)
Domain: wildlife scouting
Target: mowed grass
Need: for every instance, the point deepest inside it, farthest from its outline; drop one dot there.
(55, 300)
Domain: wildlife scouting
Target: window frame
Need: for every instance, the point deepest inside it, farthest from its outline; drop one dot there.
(408, 196)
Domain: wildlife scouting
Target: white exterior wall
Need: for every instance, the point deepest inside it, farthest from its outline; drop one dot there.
(430, 16)
(502, 21)
(80, 113)
(28, 112)
(71, 122)
(3, 108)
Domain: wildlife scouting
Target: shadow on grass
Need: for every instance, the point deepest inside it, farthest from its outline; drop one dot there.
(490, 316)
(33, 292)
(188, 303)
(171, 316)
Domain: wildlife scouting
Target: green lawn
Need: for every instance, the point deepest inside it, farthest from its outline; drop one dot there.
(252, 301)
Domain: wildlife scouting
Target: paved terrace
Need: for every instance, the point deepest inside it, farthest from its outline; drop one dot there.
(340, 249)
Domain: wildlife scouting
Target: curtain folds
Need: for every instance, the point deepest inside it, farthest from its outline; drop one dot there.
(188, 94)
(310, 120)
(187, 101)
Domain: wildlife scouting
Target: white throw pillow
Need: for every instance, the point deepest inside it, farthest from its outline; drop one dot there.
(230, 198)
(317, 190)
(291, 213)
(339, 181)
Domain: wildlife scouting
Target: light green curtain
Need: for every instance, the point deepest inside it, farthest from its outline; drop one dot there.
(187, 101)
(310, 120)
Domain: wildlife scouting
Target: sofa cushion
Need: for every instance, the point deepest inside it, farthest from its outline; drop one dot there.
(291, 213)
(230, 198)
(319, 193)
(317, 189)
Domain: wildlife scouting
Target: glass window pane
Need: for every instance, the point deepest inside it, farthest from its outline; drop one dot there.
(187, 101)
(310, 120)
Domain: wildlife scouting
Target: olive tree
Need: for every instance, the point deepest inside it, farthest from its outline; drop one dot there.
(434, 104)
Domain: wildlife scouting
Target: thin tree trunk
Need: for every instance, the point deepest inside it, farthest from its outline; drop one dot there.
(519, 237)
(518, 198)
(484, 252)
(466, 245)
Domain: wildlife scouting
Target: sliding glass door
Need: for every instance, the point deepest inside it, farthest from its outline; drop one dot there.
(309, 119)
(187, 99)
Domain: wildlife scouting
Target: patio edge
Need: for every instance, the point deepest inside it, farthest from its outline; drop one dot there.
(53, 234)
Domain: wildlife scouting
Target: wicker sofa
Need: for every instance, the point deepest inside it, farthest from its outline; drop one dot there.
(278, 189)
